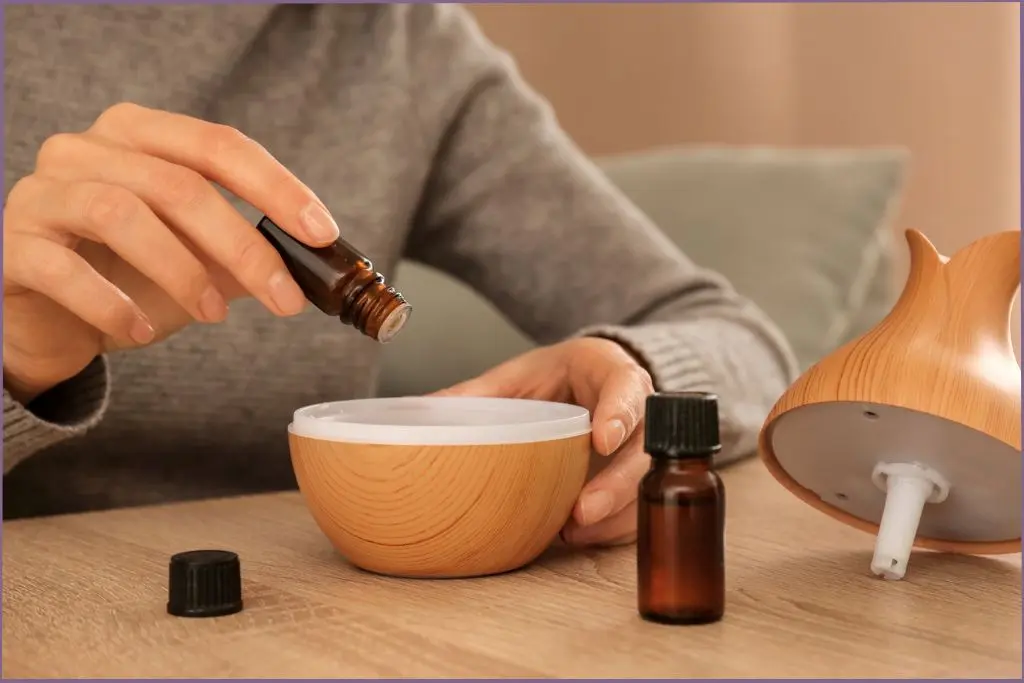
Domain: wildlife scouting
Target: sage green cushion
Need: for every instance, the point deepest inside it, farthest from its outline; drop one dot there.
(803, 233)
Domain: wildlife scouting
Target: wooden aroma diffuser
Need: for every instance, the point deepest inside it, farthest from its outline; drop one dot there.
(440, 487)
(913, 431)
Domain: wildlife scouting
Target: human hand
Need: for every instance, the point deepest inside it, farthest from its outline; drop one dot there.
(599, 375)
(118, 239)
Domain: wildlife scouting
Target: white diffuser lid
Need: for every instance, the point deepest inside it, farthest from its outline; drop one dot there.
(440, 421)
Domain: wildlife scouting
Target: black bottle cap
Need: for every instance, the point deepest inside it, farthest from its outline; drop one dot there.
(205, 583)
(682, 425)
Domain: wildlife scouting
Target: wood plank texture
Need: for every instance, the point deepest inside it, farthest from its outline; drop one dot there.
(85, 596)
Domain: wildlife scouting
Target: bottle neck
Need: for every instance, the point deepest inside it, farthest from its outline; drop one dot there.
(691, 463)
(340, 281)
(374, 308)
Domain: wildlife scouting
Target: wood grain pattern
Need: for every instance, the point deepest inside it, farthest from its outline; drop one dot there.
(440, 511)
(944, 350)
(85, 596)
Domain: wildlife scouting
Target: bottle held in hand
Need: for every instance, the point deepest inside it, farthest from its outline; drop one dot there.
(341, 282)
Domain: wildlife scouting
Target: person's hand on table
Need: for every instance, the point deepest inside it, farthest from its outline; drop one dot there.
(601, 376)
(119, 238)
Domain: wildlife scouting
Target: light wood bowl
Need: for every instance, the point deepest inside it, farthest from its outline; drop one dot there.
(440, 487)
(935, 383)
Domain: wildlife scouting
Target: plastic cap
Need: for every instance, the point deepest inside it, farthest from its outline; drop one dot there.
(205, 583)
(682, 425)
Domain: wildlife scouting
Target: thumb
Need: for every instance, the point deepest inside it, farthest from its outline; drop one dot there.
(620, 407)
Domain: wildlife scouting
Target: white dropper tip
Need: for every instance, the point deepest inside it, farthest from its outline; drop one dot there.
(908, 487)
(394, 323)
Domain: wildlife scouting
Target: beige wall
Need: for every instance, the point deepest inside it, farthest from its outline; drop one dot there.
(940, 79)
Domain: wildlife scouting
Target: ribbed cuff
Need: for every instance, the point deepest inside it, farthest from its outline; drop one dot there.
(745, 369)
(67, 410)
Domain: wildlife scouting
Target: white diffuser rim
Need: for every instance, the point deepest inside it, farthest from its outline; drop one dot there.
(440, 421)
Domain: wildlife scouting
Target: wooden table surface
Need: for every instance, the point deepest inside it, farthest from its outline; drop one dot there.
(85, 596)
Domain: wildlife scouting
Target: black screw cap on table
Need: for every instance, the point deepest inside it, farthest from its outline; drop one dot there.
(205, 583)
(682, 424)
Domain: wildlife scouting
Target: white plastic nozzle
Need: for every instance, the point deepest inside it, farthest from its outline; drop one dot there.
(908, 487)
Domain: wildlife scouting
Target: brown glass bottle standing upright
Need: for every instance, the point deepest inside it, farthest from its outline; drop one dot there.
(341, 282)
(681, 513)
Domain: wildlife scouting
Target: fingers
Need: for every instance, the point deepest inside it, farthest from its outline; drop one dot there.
(187, 202)
(227, 157)
(112, 215)
(601, 374)
(614, 487)
(477, 386)
(515, 378)
(620, 405)
(488, 384)
(619, 529)
(65, 277)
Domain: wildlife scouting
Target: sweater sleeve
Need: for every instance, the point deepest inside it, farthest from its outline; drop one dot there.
(65, 411)
(516, 211)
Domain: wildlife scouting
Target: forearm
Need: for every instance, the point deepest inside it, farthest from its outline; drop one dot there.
(519, 213)
(67, 410)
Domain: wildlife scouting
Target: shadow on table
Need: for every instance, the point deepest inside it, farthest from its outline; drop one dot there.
(926, 569)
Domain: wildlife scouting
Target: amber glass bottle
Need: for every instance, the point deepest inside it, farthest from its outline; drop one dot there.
(681, 513)
(341, 282)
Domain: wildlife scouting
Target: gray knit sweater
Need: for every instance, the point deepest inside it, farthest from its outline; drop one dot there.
(425, 143)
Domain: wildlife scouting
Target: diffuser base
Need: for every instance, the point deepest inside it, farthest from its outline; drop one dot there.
(833, 448)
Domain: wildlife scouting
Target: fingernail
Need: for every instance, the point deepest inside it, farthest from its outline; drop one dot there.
(596, 507)
(616, 435)
(319, 224)
(286, 295)
(212, 305)
(141, 331)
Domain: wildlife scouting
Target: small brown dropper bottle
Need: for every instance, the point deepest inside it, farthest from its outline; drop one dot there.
(340, 281)
(681, 513)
